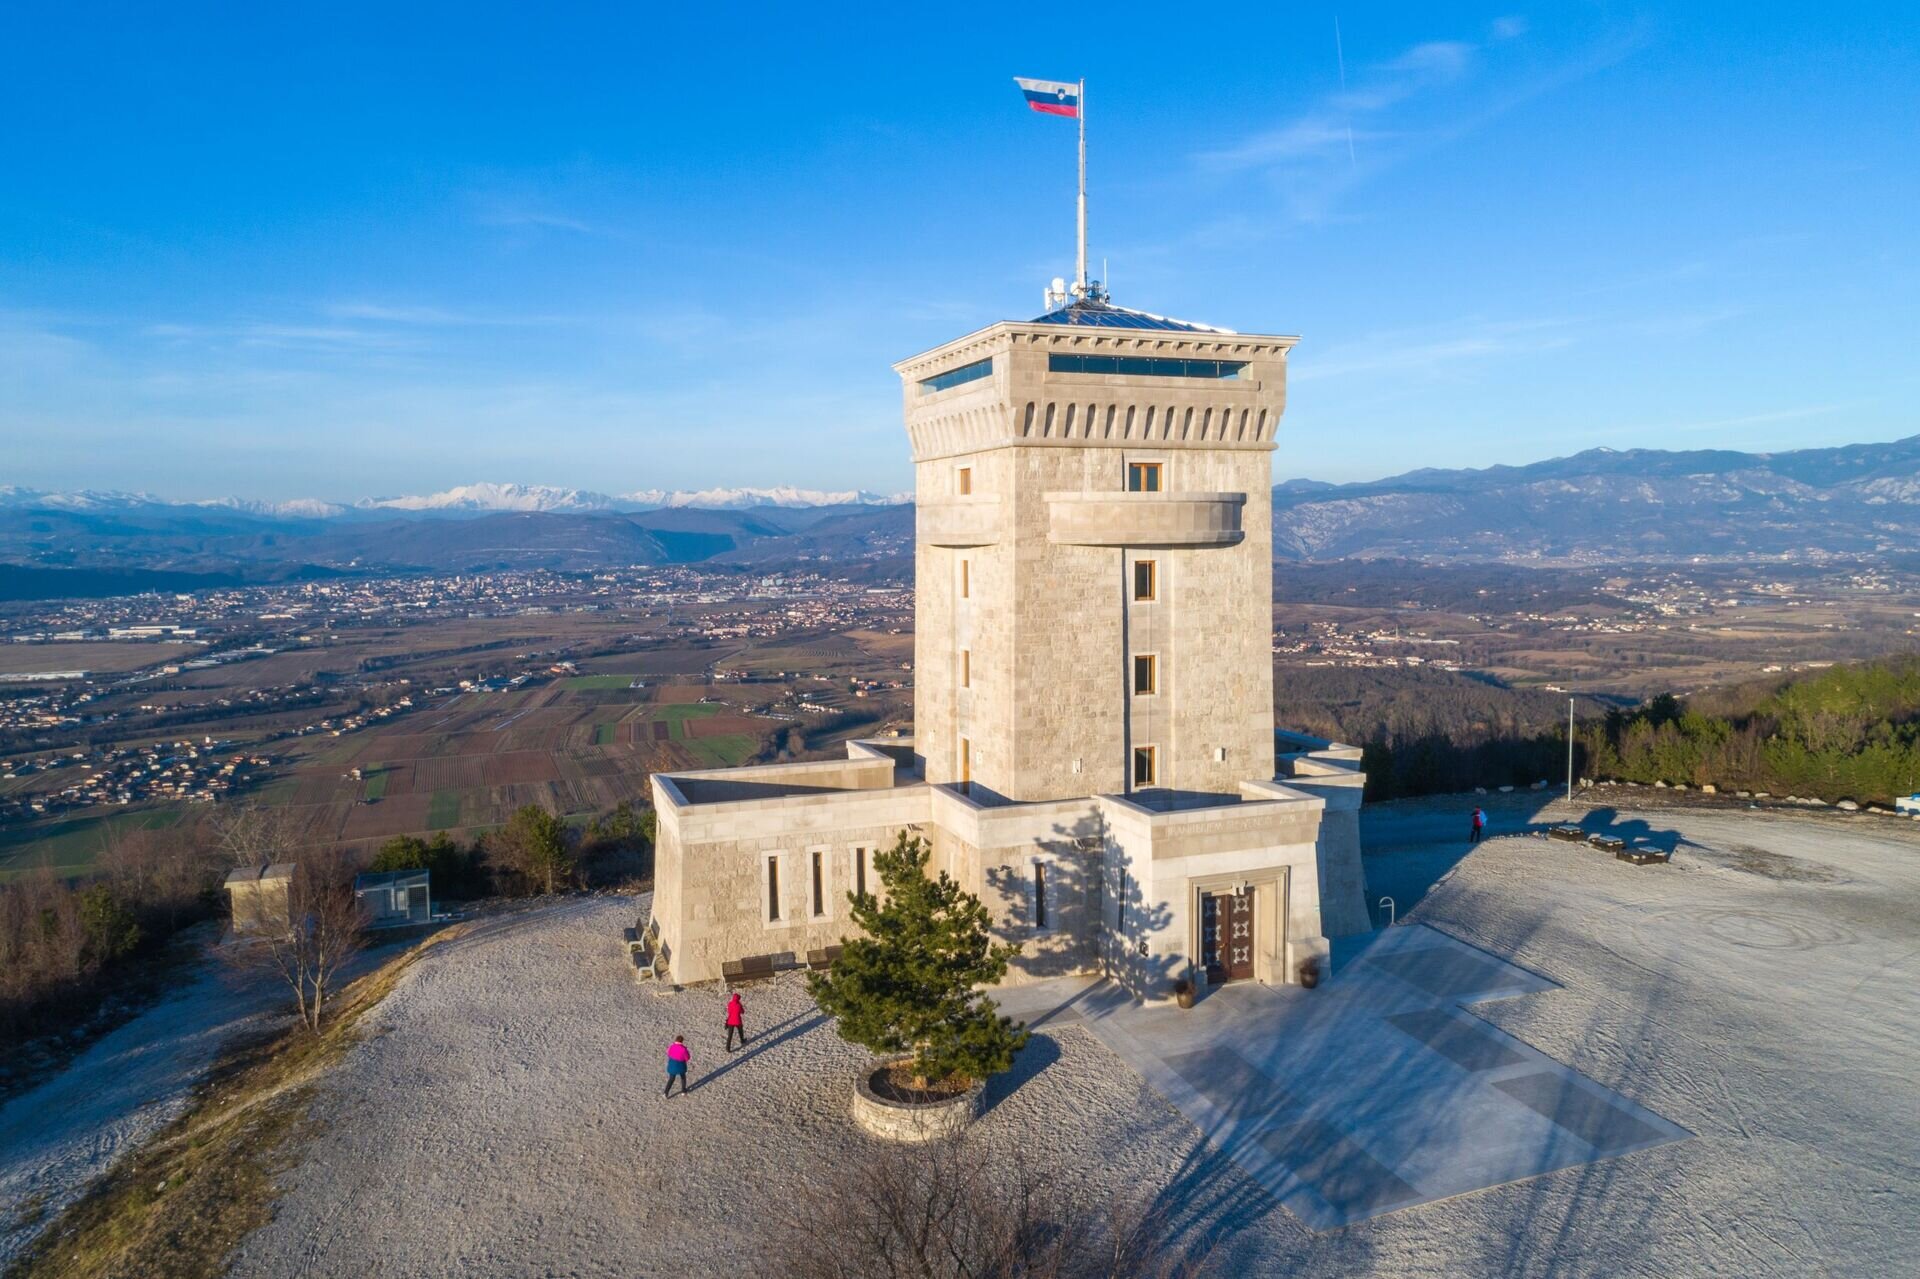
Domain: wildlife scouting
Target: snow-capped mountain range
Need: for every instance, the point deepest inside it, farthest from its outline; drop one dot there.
(464, 499)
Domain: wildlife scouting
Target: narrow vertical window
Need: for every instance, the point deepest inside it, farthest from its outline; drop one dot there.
(1039, 896)
(860, 872)
(819, 883)
(966, 481)
(1143, 765)
(966, 766)
(966, 668)
(773, 890)
(1120, 905)
(1145, 675)
(1145, 580)
(966, 579)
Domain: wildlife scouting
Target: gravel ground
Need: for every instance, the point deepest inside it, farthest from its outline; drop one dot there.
(505, 1116)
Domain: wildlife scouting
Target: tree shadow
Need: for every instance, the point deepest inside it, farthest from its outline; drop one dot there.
(1040, 1053)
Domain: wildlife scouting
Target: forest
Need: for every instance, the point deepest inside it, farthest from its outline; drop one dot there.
(1847, 732)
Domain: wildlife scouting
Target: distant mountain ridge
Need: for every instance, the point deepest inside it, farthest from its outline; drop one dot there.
(1612, 505)
(464, 499)
(1597, 507)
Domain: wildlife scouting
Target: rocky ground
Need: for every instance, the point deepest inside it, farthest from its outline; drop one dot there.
(504, 1116)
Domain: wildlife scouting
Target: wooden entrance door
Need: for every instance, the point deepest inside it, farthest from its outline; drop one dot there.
(1226, 936)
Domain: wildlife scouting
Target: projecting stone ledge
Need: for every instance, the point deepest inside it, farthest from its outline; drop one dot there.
(1145, 519)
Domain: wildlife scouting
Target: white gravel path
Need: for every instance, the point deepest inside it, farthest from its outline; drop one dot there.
(505, 1118)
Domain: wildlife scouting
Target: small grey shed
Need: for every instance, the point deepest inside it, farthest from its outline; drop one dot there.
(393, 898)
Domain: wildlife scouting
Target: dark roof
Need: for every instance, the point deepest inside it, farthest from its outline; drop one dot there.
(381, 878)
(1105, 315)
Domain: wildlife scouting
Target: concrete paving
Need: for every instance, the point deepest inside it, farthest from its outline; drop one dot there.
(1375, 1092)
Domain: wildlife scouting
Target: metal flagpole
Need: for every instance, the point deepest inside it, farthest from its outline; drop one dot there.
(1569, 750)
(1080, 283)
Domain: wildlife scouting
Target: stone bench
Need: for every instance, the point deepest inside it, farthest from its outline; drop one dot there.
(825, 957)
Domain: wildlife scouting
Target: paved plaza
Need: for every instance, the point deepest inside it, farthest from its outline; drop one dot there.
(1377, 1091)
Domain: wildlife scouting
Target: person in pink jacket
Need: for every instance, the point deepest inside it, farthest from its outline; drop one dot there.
(678, 1059)
(736, 1021)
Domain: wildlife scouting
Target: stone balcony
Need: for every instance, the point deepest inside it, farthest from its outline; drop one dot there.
(958, 521)
(1145, 519)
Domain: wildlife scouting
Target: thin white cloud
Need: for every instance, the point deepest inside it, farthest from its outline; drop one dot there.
(1428, 94)
(1436, 354)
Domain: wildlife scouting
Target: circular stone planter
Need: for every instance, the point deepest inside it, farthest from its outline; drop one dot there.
(911, 1121)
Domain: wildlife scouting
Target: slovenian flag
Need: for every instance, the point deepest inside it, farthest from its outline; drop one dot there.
(1051, 96)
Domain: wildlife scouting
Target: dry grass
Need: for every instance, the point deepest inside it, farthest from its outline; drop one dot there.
(178, 1206)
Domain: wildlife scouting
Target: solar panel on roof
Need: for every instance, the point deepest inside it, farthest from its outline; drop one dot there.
(1099, 315)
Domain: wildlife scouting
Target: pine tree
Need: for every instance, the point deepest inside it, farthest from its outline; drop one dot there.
(908, 984)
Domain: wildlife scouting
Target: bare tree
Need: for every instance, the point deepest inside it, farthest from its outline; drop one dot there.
(321, 937)
(250, 834)
(949, 1210)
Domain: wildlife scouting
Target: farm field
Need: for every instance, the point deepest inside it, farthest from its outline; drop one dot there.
(108, 657)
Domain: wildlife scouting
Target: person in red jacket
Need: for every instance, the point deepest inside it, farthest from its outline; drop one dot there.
(736, 1021)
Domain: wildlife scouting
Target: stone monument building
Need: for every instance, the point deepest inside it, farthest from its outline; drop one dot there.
(1094, 751)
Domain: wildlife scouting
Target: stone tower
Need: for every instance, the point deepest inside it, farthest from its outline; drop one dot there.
(1094, 752)
(1094, 556)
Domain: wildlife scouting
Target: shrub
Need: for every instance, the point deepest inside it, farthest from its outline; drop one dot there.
(909, 984)
(537, 846)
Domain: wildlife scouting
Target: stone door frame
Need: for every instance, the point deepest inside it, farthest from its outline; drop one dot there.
(1269, 886)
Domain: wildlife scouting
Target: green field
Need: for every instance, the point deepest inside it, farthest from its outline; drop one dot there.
(573, 682)
(603, 734)
(444, 811)
(725, 751)
(678, 713)
(376, 779)
(70, 847)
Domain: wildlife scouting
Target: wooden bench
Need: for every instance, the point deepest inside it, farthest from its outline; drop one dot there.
(752, 968)
(825, 957)
(1643, 856)
(1607, 843)
(1571, 834)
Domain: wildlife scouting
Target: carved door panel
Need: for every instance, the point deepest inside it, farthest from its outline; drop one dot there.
(1226, 936)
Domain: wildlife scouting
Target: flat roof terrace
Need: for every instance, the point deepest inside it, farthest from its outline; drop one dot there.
(870, 765)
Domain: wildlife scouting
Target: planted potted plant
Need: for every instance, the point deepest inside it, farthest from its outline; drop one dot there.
(1184, 992)
(907, 991)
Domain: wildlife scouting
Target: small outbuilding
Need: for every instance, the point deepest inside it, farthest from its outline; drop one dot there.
(258, 898)
(394, 898)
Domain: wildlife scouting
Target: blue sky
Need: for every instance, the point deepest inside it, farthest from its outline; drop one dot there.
(357, 250)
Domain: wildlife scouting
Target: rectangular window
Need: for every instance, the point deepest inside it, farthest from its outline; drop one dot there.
(966, 766)
(1143, 477)
(1145, 585)
(966, 668)
(1143, 366)
(819, 883)
(1039, 896)
(1143, 765)
(966, 481)
(957, 377)
(773, 889)
(1145, 676)
(966, 579)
